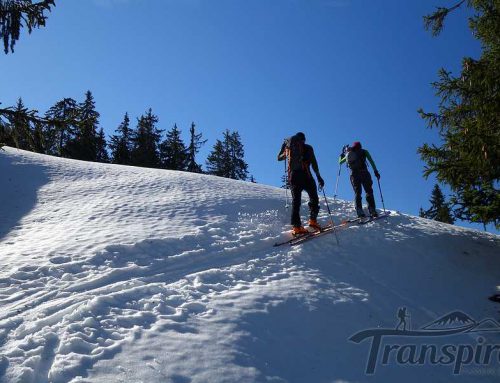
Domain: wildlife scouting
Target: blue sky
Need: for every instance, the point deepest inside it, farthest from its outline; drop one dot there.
(338, 70)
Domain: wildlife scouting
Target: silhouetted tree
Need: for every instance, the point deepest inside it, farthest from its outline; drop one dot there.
(468, 120)
(173, 153)
(146, 141)
(121, 143)
(440, 209)
(195, 143)
(102, 154)
(84, 145)
(61, 126)
(227, 158)
(16, 14)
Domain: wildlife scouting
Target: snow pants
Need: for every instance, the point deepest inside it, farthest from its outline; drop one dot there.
(300, 181)
(363, 179)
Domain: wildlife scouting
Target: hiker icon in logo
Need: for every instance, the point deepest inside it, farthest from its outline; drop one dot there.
(402, 318)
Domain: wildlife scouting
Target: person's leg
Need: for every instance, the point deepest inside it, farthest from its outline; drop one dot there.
(313, 204)
(368, 186)
(356, 186)
(296, 191)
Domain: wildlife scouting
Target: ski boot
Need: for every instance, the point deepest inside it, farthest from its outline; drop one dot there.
(314, 225)
(372, 211)
(360, 212)
(299, 230)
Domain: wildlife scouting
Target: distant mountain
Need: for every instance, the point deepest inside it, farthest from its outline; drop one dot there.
(453, 320)
(487, 325)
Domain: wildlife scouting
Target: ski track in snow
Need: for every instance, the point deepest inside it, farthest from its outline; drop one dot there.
(96, 257)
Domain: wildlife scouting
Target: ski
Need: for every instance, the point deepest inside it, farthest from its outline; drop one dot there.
(302, 238)
(371, 219)
(329, 228)
(298, 237)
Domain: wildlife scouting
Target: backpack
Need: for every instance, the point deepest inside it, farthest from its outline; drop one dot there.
(356, 159)
(295, 153)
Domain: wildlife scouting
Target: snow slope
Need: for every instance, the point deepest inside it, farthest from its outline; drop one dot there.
(121, 274)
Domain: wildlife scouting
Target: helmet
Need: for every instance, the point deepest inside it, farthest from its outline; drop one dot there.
(356, 145)
(301, 136)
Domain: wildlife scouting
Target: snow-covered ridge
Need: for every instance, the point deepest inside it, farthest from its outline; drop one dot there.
(115, 273)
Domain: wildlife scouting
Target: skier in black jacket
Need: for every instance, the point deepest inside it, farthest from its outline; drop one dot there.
(356, 158)
(300, 158)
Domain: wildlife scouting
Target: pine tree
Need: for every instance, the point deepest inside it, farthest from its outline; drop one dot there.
(195, 144)
(468, 159)
(102, 154)
(84, 145)
(62, 127)
(218, 160)
(146, 141)
(440, 209)
(21, 135)
(173, 152)
(38, 137)
(239, 168)
(121, 143)
(15, 14)
(421, 213)
(227, 158)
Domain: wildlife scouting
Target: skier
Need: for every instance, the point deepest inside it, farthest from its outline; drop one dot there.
(300, 157)
(355, 157)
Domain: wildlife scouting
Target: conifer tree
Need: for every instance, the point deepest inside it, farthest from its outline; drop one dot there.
(84, 145)
(195, 144)
(239, 168)
(61, 126)
(21, 135)
(440, 209)
(121, 143)
(173, 152)
(101, 147)
(218, 160)
(16, 14)
(468, 121)
(146, 141)
(39, 137)
(227, 158)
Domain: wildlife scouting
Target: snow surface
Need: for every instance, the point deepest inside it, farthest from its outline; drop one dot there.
(121, 274)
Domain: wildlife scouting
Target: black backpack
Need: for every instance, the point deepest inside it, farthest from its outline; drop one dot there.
(356, 159)
(295, 153)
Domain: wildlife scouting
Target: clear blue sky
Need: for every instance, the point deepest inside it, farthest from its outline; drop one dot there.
(338, 70)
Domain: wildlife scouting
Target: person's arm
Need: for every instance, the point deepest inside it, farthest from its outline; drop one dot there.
(314, 165)
(282, 153)
(372, 163)
(370, 159)
(342, 158)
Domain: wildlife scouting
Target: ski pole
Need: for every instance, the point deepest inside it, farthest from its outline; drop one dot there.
(381, 196)
(286, 184)
(338, 174)
(331, 218)
(337, 184)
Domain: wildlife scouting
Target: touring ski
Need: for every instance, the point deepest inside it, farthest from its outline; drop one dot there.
(371, 219)
(329, 229)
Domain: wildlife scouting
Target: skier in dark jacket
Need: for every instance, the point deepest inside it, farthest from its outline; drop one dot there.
(300, 158)
(356, 158)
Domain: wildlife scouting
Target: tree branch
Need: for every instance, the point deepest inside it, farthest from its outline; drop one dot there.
(435, 21)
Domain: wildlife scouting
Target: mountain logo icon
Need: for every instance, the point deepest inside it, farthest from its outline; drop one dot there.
(452, 320)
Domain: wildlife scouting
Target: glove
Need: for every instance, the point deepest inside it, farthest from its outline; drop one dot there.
(377, 174)
(321, 182)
